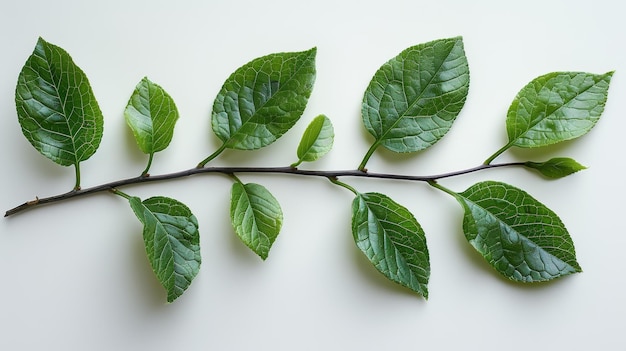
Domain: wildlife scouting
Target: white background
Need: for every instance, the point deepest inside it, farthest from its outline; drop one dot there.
(74, 275)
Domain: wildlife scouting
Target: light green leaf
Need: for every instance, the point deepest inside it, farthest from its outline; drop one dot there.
(392, 239)
(556, 107)
(56, 107)
(151, 114)
(414, 98)
(317, 140)
(519, 236)
(256, 216)
(557, 167)
(172, 241)
(263, 99)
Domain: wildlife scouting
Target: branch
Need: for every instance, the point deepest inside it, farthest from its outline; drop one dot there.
(232, 170)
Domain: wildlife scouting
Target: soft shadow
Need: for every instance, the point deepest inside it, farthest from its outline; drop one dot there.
(377, 279)
(480, 264)
(145, 282)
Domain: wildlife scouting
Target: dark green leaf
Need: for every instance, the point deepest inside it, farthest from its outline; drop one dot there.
(151, 114)
(172, 241)
(556, 107)
(56, 107)
(557, 167)
(519, 236)
(256, 216)
(413, 99)
(317, 140)
(263, 99)
(392, 239)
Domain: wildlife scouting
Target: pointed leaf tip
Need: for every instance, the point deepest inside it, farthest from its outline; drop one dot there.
(557, 167)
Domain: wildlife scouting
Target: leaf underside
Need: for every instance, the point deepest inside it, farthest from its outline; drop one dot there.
(263, 99)
(392, 240)
(256, 216)
(556, 107)
(172, 242)
(414, 98)
(519, 236)
(56, 107)
(151, 115)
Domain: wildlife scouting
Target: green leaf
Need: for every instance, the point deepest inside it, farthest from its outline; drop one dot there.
(557, 167)
(519, 236)
(256, 216)
(151, 114)
(172, 241)
(556, 107)
(317, 140)
(392, 239)
(263, 99)
(414, 98)
(56, 107)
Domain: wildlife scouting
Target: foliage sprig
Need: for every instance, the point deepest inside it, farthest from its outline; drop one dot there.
(410, 104)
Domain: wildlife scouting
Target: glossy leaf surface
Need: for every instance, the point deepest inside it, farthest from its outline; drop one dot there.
(556, 107)
(263, 99)
(256, 216)
(172, 242)
(414, 98)
(56, 107)
(151, 114)
(316, 141)
(392, 240)
(557, 167)
(519, 236)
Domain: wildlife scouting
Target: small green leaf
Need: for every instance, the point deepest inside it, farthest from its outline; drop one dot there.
(556, 107)
(256, 216)
(557, 167)
(172, 241)
(414, 98)
(151, 114)
(392, 239)
(317, 140)
(519, 236)
(263, 99)
(56, 107)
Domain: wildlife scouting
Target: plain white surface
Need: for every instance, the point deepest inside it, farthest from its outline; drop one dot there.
(75, 277)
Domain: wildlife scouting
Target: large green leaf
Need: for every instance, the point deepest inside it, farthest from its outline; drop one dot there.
(256, 216)
(263, 99)
(316, 141)
(56, 107)
(414, 98)
(556, 107)
(172, 241)
(151, 114)
(392, 239)
(519, 236)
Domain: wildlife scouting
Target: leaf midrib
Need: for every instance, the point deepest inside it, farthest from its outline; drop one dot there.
(417, 99)
(49, 65)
